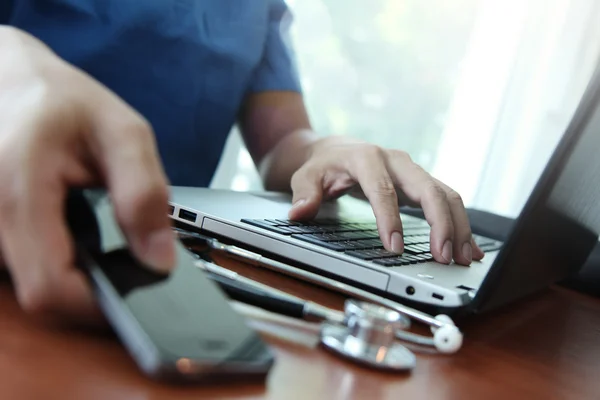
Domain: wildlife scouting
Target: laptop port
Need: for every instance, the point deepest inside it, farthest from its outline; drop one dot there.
(171, 210)
(437, 296)
(410, 290)
(187, 215)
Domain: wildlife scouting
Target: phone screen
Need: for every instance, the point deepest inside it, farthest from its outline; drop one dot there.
(166, 318)
(183, 313)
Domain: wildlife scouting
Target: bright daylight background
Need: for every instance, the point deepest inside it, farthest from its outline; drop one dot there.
(477, 91)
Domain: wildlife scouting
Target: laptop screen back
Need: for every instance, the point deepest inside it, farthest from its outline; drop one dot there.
(559, 225)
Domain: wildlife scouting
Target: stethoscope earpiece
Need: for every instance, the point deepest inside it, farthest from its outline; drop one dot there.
(447, 338)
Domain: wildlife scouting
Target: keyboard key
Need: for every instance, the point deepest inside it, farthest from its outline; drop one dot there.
(344, 228)
(307, 229)
(413, 249)
(424, 257)
(354, 245)
(327, 221)
(370, 244)
(375, 243)
(357, 235)
(324, 237)
(320, 228)
(267, 225)
(323, 229)
(371, 254)
(416, 239)
(295, 229)
(274, 222)
(413, 224)
(335, 246)
(384, 253)
(331, 229)
(422, 246)
(412, 258)
(391, 262)
(362, 254)
(365, 226)
(288, 222)
(416, 232)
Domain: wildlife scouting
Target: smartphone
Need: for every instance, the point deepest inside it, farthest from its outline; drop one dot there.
(177, 327)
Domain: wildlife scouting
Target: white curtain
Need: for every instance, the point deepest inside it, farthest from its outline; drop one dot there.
(525, 71)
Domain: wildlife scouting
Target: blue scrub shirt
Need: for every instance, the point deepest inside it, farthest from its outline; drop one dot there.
(185, 65)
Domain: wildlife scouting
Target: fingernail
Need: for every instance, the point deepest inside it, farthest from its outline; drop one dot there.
(397, 242)
(467, 251)
(158, 250)
(447, 251)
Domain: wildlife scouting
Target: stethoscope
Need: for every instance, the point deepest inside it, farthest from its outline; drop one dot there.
(369, 331)
(369, 336)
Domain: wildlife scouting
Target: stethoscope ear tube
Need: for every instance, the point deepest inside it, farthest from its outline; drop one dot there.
(354, 292)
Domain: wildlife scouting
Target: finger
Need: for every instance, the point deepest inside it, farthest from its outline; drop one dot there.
(371, 173)
(478, 254)
(128, 158)
(421, 188)
(38, 249)
(464, 245)
(463, 248)
(307, 189)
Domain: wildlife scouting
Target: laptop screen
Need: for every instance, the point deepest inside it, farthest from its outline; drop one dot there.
(559, 226)
(577, 190)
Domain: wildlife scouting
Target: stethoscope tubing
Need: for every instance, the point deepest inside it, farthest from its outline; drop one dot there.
(277, 301)
(257, 259)
(270, 299)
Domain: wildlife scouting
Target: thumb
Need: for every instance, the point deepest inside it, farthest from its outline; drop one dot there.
(307, 189)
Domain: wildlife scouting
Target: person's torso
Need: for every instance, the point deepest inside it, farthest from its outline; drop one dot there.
(183, 64)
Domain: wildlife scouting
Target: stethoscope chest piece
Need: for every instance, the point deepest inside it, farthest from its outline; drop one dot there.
(369, 337)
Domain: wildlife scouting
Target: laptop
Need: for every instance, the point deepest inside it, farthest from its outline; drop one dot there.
(551, 239)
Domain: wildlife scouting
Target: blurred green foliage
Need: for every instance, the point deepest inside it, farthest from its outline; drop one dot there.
(382, 70)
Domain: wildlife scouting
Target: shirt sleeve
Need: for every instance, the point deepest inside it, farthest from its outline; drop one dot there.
(277, 70)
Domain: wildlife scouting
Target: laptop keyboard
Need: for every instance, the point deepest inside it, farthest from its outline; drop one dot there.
(361, 240)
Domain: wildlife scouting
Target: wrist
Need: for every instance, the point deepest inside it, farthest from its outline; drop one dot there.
(278, 166)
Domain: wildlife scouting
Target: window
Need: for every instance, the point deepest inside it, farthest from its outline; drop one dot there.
(477, 91)
(383, 71)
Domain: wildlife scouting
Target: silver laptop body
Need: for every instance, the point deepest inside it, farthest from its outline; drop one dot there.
(220, 212)
(552, 237)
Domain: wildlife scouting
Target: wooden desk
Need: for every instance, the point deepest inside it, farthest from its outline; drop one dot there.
(544, 348)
